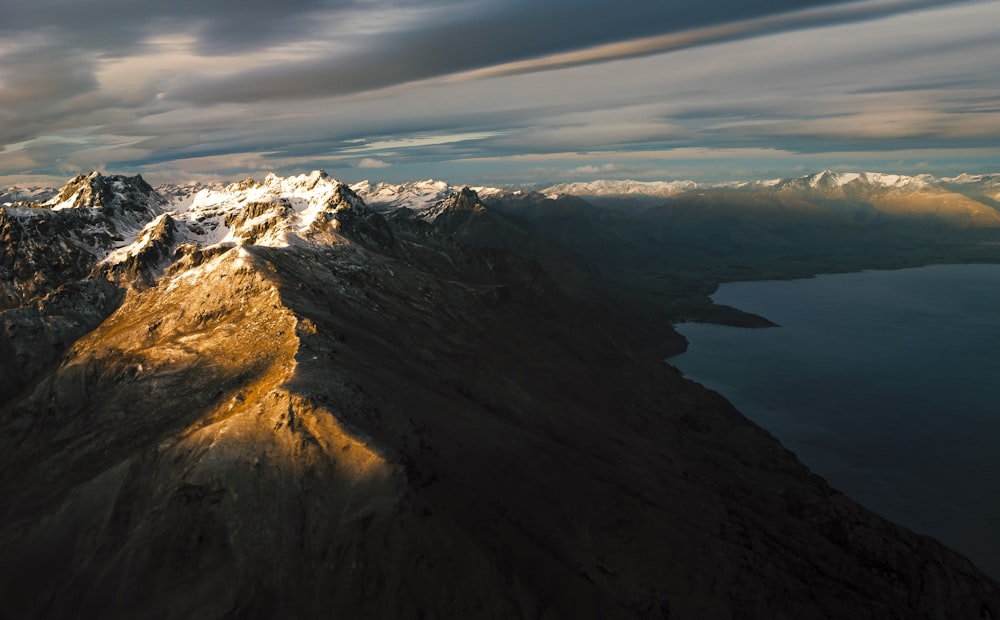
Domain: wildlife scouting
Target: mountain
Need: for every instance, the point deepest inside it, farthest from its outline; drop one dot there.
(956, 201)
(128, 199)
(17, 195)
(459, 212)
(415, 196)
(621, 194)
(982, 187)
(889, 196)
(661, 256)
(828, 180)
(281, 402)
(656, 251)
(47, 253)
(822, 222)
(621, 188)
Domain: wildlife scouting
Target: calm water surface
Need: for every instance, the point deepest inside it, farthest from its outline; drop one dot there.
(887, 383)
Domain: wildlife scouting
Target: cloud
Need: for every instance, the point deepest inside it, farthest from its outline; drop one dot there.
(36, 83)
(371, 162)
(810, 17)
(118, 27)
(202, 90)
(513, 38)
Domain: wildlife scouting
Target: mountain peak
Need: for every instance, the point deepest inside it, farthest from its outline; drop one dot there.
(824, 178)
(115, 195)
(830, 180)
(467, 194)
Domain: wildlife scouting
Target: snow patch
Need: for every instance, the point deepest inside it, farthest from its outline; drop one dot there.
(69, 203)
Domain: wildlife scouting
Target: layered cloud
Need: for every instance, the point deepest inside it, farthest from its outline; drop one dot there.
(430, 88)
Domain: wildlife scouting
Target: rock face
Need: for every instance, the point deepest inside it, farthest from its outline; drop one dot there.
(297, 408)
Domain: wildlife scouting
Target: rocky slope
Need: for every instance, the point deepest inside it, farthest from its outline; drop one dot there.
(298, 408)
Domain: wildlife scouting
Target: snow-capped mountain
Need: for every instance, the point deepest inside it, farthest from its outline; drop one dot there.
(826, 180)
(272, 212)
(177, 192)
(829, 180)
(963, 201)
(125, 229)
(972, 179)
(66, 234)
(130, 230)
(606, 188)
(985, 186)
(64, 237)
(20, 195)
(275, 212)
(114, 195)
(66, 260)
(417, 195)
(423, 198)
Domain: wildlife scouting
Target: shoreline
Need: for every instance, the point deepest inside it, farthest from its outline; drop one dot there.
(721, 314)
(750, 371)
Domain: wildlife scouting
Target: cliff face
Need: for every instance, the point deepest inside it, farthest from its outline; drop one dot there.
(372, 420)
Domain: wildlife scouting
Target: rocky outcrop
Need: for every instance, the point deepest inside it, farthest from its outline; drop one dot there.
(141, 263)
(346, 213)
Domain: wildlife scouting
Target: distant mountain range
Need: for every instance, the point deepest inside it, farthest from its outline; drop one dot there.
(656, 250)
(965, 200)
(613, 242)
(291, 397)
(421, 194)
(825, 180)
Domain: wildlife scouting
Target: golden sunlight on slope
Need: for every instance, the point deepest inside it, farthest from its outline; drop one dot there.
(224, 319)
(950, 207)
(187, 382)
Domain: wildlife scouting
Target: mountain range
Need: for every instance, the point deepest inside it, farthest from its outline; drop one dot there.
(291, 397)
(656, 251)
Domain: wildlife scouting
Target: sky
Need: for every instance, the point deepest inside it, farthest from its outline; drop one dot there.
(502, 92)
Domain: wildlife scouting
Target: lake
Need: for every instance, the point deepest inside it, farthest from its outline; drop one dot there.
(886, 383)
